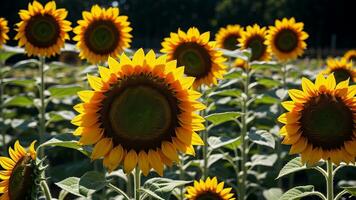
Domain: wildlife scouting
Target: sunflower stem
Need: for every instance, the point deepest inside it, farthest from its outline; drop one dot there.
(45, 190)
(181, 177)
(205, 140)
(2, 129)
(118, 190)
(137, 183)
(243, 137)
(42, 108)
(330, 180)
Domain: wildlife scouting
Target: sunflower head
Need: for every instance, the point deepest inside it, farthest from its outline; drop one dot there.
(320, 122)
(4, 29)
(19, 173)
(350, 56)
(286, 39)
(199, 56)
(254, 38)
(209, 190)
(140, 112)
(227, 37)
(102, 33)
(341, 68)
(43, 29)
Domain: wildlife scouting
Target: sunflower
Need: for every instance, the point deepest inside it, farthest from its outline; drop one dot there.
(240, 63)
(320, 122)
(227, 37)
(209, 190)
(140, 113)
(350, 55)
(286, 39)
(199, 56)
(102, 33)
(342, 69)
(4, 29)
(254, 37)
(42, 30)
(18, 175)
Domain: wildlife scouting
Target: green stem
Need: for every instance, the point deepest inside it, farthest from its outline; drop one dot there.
(330, 180)
(338, 196)
(244, 142)
(46, 190)
(2, 129)
(42, 105)
(205, 140)
(181, 177)
(137, 183)
(118, 190)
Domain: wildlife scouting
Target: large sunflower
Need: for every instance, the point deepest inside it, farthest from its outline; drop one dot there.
(286, 39)
(102, 33)
(18, 173)
(140, 113)
(350, 56)
(209, 190)
(43, 30)
(341, 68)
(199, 56)
(4, 29)
(320, 122)
(227, 37)
(254, 38)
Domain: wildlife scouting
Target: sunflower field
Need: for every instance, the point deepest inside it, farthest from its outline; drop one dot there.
(237, 114)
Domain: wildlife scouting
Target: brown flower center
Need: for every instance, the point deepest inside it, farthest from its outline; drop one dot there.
(327, 122)
(208, 196)
(194, 58)
(42, 31)
(258, 49)
(286, 40)
(102, 37)
(230, 42)
(140, 112)
(341, 74)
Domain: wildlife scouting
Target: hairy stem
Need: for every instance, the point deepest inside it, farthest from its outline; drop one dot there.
(330, 180)
(137, 183)
(45, 190)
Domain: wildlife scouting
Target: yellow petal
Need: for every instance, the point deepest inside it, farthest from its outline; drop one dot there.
(143, 163)
(130, 161)
(102, 148)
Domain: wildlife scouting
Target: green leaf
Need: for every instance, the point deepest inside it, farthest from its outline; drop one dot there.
(20, 101)
(217, 142)
(30, 63)
(272, 193)
(219, 118)
(54, 142)
(235, 143)
(292, 166)
(163, 187)
(61, 91)
(264, 65)
(93, 181)
(266, 99)
(150, 193)
(269, 83)
(21, 82)
(70, 185)
(229, 92)
(56, 116)
(263, 160)
(262, 137)
(350, 189)
(7, 51)
(298, 192)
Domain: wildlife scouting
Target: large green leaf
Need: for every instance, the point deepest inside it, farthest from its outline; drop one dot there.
(234, 144)
(262, 137)
(228, 92)
(61, 91)
(162, 187)
(20, 101)
(217, 142)
(350, 189)
(219, 118)
(292, 166)
(93, 181)
(21, 82)
(71, 185)
(263, 160)
(269, 83)
(54, 142)
(8, 51)
(298, 192)
(272, 193)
